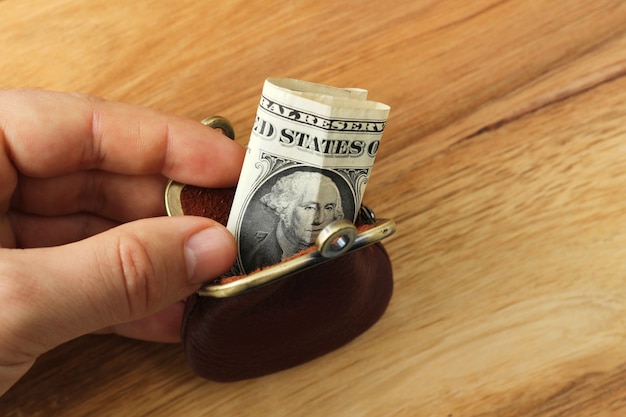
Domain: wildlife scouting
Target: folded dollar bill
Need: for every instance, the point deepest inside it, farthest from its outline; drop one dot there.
(308, 161)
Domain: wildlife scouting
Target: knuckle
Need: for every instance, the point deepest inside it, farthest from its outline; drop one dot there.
(137, 268)
(93, 152)
(17, 291)
(92, 195)
(14, 286)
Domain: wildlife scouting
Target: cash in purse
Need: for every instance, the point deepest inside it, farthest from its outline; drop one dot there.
(278, 317)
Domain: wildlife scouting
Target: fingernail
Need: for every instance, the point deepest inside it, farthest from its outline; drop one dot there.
(209, 253)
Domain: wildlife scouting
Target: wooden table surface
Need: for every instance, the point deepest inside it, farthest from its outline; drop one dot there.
(503, 163)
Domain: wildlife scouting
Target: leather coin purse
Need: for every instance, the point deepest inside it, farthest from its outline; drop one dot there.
(281, 316)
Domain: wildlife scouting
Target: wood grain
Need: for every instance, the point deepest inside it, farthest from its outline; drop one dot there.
(503, 163)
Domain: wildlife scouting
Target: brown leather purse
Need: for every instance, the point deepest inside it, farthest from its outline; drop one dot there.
(288, 321)
(244, 327)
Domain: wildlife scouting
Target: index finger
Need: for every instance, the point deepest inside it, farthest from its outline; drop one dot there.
(47, 134)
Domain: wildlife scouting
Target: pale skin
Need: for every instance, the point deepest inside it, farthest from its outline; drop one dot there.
(85, 245)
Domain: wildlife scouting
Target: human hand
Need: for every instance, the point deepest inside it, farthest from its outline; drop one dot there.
(81, 247)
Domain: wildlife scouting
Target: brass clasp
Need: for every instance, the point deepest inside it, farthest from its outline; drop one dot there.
(338, 238)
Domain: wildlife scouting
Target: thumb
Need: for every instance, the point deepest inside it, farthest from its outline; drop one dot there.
(51, 295)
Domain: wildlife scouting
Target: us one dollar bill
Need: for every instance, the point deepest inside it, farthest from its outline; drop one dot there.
(309, 157)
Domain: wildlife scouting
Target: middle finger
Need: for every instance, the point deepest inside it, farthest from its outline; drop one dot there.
(119, 197)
